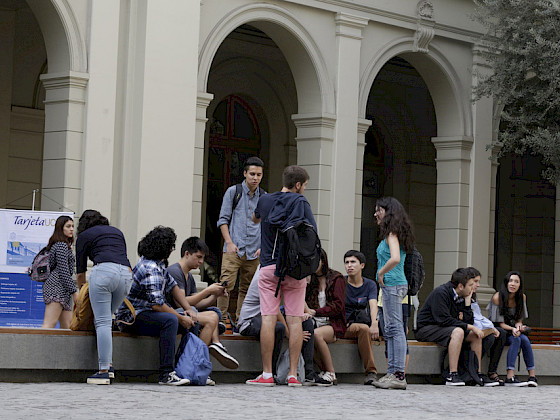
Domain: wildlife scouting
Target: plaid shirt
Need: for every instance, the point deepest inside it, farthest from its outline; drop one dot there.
(150, 283)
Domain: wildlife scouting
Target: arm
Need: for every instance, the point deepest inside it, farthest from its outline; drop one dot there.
(226, 213)
(374, 327)
(395, 249)
(185, 320)
(255, 219)
(335, 308)
(181, 299)
(206, 297)
(81, 278)
(230, 246)
(442, 314)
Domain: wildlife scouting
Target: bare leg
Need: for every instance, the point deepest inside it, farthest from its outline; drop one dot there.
(476, 346)
(324, 336)
(53, 311)
(267, 340)
(454, 348)
(65, 319)
(209, 320)
(295, 341)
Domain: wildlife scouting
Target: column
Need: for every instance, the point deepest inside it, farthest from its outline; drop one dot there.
(7, 34)
(363, 126)
(63, 147)
(343, 201)
(452, 205)
(314, 139)
(493, 196)
(556, 301)
(199, 202)
(102, 163)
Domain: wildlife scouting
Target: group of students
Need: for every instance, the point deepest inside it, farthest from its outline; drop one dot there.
(326, 307)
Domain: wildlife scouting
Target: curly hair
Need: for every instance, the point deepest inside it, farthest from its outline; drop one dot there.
(58, 234)
(91, 218)
(504, 296)
(157, 244)
(396, 221)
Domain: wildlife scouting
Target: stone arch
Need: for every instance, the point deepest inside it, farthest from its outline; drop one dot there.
(439, 75)
(309, 70)
(65, 44)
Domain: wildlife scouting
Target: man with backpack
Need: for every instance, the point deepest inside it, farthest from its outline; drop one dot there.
(280, 214)
(241, 235)
(447, 319)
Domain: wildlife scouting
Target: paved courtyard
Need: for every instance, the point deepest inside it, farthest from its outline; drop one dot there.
(238, 401)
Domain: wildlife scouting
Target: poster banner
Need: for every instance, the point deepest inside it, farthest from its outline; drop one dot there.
(22, 235)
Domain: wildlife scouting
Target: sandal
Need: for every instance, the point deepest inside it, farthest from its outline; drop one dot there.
(495, 377)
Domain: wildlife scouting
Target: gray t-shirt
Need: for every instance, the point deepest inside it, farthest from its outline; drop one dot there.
(186, 283)
(251, 305)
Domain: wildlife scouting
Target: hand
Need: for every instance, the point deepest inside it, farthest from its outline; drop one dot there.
(192, 313)
(516, 332)
(258, 253)
(306, 316)
(496, 333)
(479, 333)
(380, 280)
(186, 321)
(522, 328)
(312, 312)
(231, 248)
(217, 289)
(374, 330)
(306, 336)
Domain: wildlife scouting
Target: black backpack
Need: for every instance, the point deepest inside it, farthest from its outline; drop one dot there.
(414, 271)
(239, 193)
(301, 252)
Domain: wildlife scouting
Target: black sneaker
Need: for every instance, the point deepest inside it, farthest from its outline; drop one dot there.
(315, 380)
(486, 381)
(513, 381)
(171, 378)
(221, 355)
(100, 378)
(532, 381)
(221, 328)
(452, 379)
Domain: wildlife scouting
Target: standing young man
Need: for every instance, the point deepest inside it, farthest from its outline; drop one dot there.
(361, 311)
(276, 212)
(241, 235)
(201, 303)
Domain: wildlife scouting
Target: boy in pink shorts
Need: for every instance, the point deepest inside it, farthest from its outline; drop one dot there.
(274, 211)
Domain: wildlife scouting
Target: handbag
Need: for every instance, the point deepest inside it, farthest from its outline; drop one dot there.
(359, 316)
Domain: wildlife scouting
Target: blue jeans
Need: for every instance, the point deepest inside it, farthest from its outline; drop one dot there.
(395, 338)
(405, 312)
(514, 343)
(109, 284)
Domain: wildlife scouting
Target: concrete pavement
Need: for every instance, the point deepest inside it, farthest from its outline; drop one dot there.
(239, 401)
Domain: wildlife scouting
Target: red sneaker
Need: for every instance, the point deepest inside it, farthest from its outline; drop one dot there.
(259, 380)
(293, 382)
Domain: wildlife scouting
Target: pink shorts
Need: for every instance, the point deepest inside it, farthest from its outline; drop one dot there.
(292, 290)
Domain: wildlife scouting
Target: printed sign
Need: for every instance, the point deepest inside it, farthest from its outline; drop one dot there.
(22, 235)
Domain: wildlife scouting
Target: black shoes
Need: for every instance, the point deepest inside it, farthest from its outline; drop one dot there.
(452, 379)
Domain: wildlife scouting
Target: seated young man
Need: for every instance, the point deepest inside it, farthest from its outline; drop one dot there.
(493, 343)
(250, 323)
(154, 317)
(447, 319)
(193, 251)
(361, 311)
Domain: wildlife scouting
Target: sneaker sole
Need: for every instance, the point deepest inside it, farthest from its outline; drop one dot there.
(518, 385)
(223, 358)
(179, 383)
(532, 385)
(294, 385)
(455, 384)
(260, 383)
(492, 384)
(98, 381)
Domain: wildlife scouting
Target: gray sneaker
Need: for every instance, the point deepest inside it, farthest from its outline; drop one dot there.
(370, 378)
(381, 383)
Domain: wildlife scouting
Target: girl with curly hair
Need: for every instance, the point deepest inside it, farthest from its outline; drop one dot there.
(154, 317)
(397, 239)
(109, 282)
(59, 290)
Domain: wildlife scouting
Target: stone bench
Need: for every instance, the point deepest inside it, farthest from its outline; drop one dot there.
(34, 354)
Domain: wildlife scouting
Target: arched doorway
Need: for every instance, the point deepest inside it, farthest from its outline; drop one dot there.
(399, 158)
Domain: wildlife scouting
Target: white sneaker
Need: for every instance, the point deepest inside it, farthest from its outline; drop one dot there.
(329, 376)
(210, 381)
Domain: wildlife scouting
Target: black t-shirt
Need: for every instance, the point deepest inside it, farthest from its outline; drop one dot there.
(101, 243)
(359, 297)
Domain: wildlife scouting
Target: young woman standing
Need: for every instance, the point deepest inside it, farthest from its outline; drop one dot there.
(397, 239)
(59, 290)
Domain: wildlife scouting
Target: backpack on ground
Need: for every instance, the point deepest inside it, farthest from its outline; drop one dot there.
(283, 368)
(40, 268)
(414, 271)
(194, 360)
(239, 193)
(301, 252)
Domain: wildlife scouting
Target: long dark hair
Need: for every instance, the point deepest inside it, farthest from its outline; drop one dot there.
(58, 234)
(157, 244)
(312, 295)
(504, 296)
(397, 222)
(91, 218)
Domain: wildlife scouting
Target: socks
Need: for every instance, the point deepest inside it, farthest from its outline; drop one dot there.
(399, 375)
(266, 375)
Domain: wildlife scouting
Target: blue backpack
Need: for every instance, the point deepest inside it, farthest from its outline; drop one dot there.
(194, 360)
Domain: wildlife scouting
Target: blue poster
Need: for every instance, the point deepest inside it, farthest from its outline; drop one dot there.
(21, 301)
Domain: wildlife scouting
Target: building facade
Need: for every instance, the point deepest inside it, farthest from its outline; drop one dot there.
(147, 112)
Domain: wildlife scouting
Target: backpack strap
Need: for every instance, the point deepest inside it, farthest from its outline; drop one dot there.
(237, 196)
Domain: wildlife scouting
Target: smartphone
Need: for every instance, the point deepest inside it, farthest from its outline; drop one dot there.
(224, 284)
